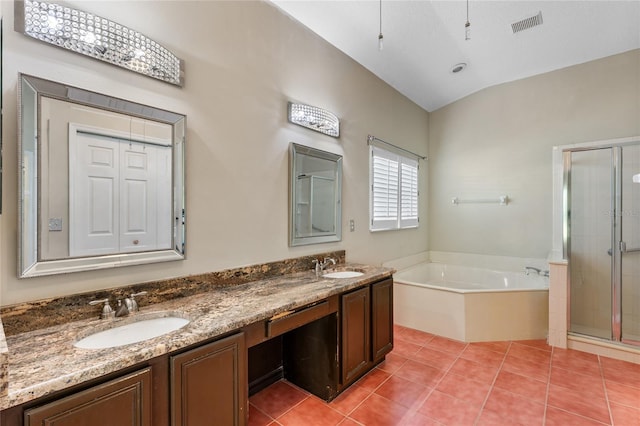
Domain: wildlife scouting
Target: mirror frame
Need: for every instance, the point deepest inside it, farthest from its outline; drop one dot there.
(294, 150)
(30, 92)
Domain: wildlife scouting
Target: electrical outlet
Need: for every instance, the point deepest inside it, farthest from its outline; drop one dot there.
(352, 225)
(55, 224)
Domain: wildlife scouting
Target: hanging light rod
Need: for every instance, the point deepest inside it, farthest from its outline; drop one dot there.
(467, 25)
(380, 36)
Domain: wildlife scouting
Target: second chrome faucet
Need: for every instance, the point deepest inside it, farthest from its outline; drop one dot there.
(123, 309)
(321, 266)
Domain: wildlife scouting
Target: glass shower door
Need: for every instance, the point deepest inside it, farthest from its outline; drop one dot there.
(591, 217)
(630, 246)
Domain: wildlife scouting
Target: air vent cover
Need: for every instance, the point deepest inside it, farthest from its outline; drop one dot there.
(527, 23)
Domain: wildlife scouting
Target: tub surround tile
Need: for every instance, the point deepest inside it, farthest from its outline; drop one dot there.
(35, 357)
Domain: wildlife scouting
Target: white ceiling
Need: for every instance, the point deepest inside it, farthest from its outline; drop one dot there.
(423, 39)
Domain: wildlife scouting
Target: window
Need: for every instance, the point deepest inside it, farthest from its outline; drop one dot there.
(394, 190)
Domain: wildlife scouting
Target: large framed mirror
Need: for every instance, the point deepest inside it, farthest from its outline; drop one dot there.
(315, 192)
(101, 182)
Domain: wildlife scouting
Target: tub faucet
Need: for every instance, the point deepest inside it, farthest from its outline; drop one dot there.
(528, 269)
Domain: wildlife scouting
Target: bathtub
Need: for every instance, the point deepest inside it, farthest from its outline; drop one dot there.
(472, 304)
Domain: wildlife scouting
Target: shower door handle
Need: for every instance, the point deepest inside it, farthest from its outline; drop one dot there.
(624, 249)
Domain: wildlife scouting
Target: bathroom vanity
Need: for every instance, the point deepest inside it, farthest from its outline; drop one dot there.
(327, 333)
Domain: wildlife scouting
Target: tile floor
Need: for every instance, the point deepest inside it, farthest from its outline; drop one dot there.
(430, 380)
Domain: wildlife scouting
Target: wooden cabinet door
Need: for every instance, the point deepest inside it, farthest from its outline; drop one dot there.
(356, 345)
(124, 401)
(209, 384)
(381, 319)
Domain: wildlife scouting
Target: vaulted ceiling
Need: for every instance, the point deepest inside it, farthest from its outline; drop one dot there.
(424, 40)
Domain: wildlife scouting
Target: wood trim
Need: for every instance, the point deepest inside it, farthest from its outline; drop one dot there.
(281, 325)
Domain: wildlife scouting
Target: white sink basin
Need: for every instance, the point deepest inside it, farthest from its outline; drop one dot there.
(343, 274)
(131, 333)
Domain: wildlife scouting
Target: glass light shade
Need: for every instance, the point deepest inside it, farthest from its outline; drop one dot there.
(314, 118)
(97, 37)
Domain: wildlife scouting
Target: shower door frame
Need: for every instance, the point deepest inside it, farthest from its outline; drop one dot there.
(618, 247)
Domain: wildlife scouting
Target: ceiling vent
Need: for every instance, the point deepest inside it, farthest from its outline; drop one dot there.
(527, 23)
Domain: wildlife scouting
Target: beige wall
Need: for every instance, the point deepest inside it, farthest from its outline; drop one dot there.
(244, 61)
(499, 142)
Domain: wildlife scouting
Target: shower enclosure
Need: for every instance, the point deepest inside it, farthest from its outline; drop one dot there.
(602, 240)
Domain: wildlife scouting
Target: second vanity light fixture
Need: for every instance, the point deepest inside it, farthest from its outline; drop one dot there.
(97, 37)
(314, 118)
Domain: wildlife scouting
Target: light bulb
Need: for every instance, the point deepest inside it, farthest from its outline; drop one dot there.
(52, 21)
(380, 44)
(89, 38)
(467, 31)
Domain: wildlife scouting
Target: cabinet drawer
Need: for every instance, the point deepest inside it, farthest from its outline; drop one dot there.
(282, 324)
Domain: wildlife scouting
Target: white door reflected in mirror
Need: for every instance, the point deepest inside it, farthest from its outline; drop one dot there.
(102, 183)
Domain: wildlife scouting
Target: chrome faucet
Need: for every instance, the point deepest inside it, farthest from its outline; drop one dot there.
(321, 266)
(528, 269)
(121, 310)
(107, 310)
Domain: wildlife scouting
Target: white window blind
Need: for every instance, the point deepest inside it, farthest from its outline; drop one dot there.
(394, 190)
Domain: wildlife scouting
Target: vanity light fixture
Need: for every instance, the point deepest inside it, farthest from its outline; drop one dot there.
(314, 118)
(97, 37)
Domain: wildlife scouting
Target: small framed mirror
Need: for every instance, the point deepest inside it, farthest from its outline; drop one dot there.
(315, 188)
(101, 182)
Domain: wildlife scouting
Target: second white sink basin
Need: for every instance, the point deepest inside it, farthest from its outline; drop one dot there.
(343, 274)
(131, 333)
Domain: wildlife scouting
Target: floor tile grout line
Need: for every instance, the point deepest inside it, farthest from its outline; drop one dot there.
(493, 382)
(418, 403)
(606, 394)
(546, 395)
(271, 419)
(433, 389)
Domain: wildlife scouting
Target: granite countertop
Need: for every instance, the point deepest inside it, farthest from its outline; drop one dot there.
(44, 361)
